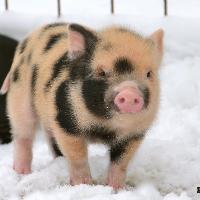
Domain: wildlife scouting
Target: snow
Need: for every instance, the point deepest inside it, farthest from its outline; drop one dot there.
(166, 166)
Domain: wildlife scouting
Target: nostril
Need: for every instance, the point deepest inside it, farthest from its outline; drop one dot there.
(136, 101)
(122, 100)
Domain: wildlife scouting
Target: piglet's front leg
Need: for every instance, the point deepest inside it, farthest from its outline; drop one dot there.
(120, 155)
(75, 150)
(80, 172)
(116, 176)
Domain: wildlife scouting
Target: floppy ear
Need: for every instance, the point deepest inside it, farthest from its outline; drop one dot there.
(157, 38)
(80, 40)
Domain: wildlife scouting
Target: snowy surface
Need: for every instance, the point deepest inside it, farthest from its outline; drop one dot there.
(167, 165)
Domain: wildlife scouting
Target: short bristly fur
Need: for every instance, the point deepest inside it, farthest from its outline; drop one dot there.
(65, 76)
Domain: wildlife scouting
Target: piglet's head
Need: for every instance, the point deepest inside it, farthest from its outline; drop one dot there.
(117, 70)
(125, 69)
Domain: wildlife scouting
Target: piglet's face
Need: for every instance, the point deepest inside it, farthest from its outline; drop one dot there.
(122, 74)
(124, 78)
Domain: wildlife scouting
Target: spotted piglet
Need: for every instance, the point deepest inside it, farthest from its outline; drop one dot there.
(84, 86)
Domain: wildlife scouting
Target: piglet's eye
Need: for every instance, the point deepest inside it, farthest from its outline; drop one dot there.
(100, 72)
(150, 74)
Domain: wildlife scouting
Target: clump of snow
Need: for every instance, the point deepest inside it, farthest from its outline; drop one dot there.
(166, 167)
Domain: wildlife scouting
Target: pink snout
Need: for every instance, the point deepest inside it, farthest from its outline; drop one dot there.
(129, 101)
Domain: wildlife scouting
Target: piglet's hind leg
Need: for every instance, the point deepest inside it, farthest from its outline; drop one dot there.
(23, 156)
(23, 127)
(23, 150)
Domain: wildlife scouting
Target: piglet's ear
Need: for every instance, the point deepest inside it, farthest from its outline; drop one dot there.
(157, 38)
(81, 40)
(76, 43)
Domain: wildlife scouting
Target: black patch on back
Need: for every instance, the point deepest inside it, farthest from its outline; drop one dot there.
(53, 40)
(17, 70)
(94, 93)
(101, 133)
(30, 57)
(23, 45)
(90, 38)
(33, 84)
(21, 61)
(53, 25)
(34, 77)
(59, 65)
(119, 148)
(123, 66)
(16, 74)
(65, 115)
(56, 148)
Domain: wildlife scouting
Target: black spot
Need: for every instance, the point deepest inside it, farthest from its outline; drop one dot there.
(30, 57)
(53, 40)
(50, 27)
(16, 74)
(65, 115)
(23, 45)
(33, 84)
(17, 70)
(119, 148)
(90, 38)
(146, 96)
(123, 66)
(129, 31)
(21, 61)
(94, 94)
(53, 25)
(107, 47)
(59, 65)
(34, 77)
(56, 148)
(100, 133)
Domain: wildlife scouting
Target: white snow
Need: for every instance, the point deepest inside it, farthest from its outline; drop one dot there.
(167, 165)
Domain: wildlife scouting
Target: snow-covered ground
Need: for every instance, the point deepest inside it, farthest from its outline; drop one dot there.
(167, 165)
